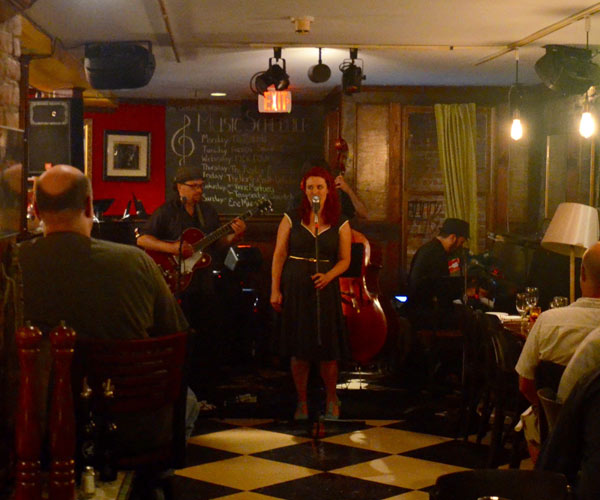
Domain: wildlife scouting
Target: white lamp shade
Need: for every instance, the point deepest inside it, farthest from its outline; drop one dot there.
(574, 226)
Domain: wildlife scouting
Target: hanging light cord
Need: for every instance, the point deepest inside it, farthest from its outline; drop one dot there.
(587, 46)
(587, 32)
(516, 66)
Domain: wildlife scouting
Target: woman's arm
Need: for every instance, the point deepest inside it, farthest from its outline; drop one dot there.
(322, 280)
(279, 256)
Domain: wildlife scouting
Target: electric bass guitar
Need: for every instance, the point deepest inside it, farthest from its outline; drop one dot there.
(169, 264)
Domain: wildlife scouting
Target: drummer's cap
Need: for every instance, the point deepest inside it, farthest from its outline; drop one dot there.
(185, 174)
(458, 227)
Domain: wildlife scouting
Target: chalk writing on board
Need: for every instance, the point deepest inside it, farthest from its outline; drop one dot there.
(244, 156)
(182, 144)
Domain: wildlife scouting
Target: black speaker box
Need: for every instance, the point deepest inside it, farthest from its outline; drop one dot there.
(118, 65)
(54, 133)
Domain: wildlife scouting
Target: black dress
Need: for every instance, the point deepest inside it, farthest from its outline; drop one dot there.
(299, 336)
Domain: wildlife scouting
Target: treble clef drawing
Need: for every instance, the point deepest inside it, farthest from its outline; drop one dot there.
(181, 143)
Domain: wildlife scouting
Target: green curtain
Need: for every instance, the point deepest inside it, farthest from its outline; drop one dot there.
(456, 134)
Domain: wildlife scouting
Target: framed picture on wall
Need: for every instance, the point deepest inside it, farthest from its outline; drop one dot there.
(126, 156)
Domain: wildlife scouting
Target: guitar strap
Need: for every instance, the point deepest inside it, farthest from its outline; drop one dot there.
(200, 216)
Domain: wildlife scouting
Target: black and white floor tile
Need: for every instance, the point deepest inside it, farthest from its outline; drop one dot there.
(260, 459)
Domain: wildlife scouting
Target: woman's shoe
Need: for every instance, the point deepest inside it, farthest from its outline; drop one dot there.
(333, 410)
(301, 411)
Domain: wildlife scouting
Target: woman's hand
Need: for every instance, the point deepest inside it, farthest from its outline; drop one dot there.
(320, 280)
(276, 300)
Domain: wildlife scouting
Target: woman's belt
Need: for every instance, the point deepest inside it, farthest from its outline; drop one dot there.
(309, 259)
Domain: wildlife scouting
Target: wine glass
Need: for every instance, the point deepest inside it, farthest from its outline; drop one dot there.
(533, 295)
(559, 302)
(521, 303)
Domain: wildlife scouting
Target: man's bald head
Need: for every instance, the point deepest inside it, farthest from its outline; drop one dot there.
(62, 188)
(590, 272)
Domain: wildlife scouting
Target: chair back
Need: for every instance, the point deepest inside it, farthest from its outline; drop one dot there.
(507, 349)
(513, 484)
(548, 374)
(148, 380)
(550, 407)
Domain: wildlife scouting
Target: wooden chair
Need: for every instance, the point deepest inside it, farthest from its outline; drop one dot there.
(547, 379)
(515, 484)
(441, 343)
(502, 390)
(475, 371)
(550, 408)
(149, 389)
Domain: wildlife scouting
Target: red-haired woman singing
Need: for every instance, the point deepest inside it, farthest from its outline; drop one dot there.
(297, 287)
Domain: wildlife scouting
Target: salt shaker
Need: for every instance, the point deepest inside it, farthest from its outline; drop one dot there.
(88, 482)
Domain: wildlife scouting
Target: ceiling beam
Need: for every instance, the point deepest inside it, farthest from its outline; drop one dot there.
(592, 9)
(165, 16)
(362, 46)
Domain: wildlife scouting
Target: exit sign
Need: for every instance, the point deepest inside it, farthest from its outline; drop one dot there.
(275, 101)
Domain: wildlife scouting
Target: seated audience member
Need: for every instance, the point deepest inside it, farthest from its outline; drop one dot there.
(432, 285)
(558, 332)
(103, 290)
(573, 448)
(585, 360)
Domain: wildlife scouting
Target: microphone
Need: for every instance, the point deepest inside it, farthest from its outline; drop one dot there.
(316, 204)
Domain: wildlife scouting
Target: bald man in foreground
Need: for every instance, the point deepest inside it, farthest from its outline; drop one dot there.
(558, 332)
(103, 290)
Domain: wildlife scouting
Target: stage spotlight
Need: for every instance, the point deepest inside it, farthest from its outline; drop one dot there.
(275, 75)
(319, 73)
(352, 75)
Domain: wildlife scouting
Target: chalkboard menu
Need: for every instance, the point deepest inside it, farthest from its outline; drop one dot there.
(245, 155)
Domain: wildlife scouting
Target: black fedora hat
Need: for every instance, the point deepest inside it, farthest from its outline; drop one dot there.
(458, 227)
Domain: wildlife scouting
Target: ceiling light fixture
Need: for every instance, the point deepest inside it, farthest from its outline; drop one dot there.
(275, 75)
(587, 125)
(514, 99)
(319, 73)
(352, 75)
(302, 24)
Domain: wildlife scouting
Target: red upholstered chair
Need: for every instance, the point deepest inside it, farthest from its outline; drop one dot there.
(149, 395)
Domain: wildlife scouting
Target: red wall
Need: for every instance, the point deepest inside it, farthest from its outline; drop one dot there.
(130, 117)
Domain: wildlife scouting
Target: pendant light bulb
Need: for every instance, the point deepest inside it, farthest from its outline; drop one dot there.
(516, 130)
(587, 125)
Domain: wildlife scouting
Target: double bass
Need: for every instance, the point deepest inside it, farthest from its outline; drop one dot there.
(365, 319)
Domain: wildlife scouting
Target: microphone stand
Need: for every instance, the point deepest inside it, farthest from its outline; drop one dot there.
(465, 272)
(318, 295)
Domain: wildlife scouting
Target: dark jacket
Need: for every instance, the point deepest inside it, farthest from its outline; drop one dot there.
(573, 448)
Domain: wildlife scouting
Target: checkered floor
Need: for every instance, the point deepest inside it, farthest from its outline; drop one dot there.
(367, 460)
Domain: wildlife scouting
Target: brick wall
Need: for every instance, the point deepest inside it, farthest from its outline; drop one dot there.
(10, 50)
(10, 71)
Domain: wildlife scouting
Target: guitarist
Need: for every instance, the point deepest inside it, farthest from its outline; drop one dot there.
(199, 301)
(187, 209)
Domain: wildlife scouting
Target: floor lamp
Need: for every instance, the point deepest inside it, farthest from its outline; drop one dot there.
(573, 229)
